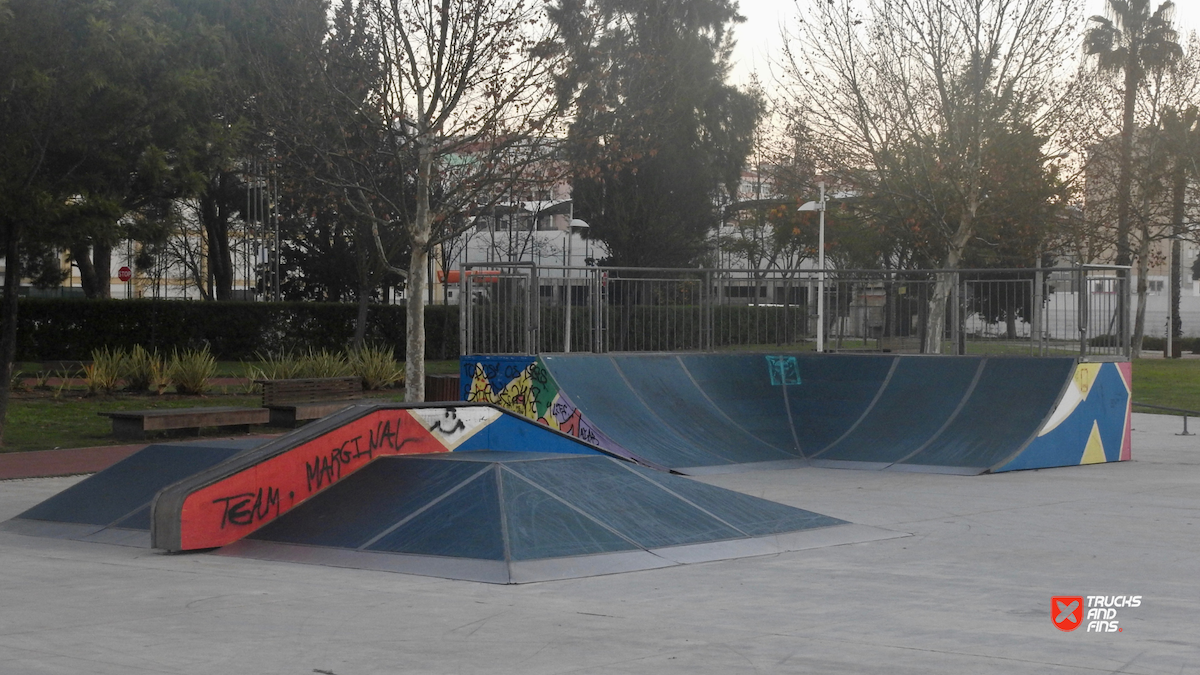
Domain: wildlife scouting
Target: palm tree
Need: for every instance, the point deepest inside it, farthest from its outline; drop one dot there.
(1134, 41)
(1182, 131)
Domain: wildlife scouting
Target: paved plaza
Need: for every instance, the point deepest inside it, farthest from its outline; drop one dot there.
(968, 592)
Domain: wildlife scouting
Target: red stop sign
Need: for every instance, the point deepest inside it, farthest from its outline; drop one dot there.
(124, 274)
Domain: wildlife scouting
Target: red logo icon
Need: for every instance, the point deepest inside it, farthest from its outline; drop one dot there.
(1066, 612)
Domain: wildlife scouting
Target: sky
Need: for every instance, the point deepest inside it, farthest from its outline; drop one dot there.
(758, 38)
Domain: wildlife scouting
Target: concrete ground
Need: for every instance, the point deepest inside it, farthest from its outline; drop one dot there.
(969, 592)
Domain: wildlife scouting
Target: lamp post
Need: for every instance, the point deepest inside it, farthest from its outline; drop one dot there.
(820, 206)
(575, 222)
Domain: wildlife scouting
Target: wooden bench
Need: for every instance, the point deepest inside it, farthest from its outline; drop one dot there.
(300, 400)
(135, 424)
(442, 388)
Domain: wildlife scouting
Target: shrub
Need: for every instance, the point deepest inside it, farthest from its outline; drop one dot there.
(275, 366)
(324, 363)
(42, 379)
(377, 366)
(145, 370)
(64, 382)
(191, 370)
(104, 372)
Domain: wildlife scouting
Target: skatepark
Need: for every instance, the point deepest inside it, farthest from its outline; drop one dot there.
(771, 564)
(966, 590)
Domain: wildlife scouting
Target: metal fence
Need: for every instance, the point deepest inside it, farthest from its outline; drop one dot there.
(519, 308)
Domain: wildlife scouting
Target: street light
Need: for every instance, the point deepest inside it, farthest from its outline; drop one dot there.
(820, 206)
(575, 223)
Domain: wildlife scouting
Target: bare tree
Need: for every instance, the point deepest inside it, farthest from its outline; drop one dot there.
(460, 102)
(908, 94)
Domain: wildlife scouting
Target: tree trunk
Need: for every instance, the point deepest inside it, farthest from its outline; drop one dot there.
(414, 366)
(420, 233)
(1143, 267)
(93, 262)
(102, 262)
(82, 257)
(215, 216)
(1178, 208)
(8, 331)
(935, 322)
(936, 319)
(1124, 180)
(364, 288)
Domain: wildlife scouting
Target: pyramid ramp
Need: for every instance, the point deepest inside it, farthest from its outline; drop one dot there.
(521, 517)
(225, 502)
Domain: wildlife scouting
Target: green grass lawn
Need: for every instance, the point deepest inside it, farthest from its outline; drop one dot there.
(1167, 382)
(40, 420)
(71, 421)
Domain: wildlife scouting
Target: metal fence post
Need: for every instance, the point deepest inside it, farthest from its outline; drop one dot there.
(464, 314)
(1082, 312)
(706, 313)
(533, 310)
(1037, 319)
(1127, 338)
(567, 303)
(955, 308)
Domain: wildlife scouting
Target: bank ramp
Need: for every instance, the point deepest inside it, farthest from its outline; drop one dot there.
(705, 413)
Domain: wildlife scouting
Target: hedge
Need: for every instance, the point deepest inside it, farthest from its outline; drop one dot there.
(69, 329)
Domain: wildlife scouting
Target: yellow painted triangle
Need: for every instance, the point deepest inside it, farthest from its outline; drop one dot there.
(517, 396)
(1093, 453)
(1085, 377)
(481, 388)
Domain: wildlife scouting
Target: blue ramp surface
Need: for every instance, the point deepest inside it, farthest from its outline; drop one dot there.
(508, 517)
(690, 411)
(834, 392)
(598, 388)
(753, 403)
(1009, 404)
(674, 397)
(918, 400)
(711, 412)
(119, 497)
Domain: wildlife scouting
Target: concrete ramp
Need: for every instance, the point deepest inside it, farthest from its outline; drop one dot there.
(510, 517)
(226, 502)
(113, 505)
(656, 400)
(705, 413)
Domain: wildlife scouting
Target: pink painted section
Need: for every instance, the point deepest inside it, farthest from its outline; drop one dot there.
(1126, 370)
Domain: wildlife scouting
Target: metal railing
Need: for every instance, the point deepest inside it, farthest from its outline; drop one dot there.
(520, 308)
(1183, 412)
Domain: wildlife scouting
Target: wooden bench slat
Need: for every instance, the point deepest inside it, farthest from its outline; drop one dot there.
(135, 423)
(298, 400)
(289, 415)
(310, 390)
